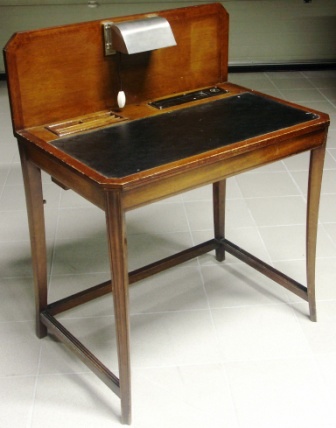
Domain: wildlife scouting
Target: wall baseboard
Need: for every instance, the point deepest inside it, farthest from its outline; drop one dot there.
(246, 68)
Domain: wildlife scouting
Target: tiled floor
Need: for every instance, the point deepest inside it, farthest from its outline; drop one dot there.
(213, 345)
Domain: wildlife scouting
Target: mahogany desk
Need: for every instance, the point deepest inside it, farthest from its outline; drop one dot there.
(63, 91)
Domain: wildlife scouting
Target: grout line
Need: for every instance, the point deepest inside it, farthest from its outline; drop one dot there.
(289, 172)
(31, 412)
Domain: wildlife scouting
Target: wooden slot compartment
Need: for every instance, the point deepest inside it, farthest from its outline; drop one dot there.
(85, 123)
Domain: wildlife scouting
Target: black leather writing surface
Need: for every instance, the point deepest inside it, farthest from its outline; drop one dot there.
(118, 151)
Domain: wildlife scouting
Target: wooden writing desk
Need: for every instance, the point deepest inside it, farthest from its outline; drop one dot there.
(63, 92)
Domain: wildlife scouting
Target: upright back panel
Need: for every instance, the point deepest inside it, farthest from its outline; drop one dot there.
(62, 72)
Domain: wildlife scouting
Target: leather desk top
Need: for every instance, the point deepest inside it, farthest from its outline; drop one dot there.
(130, 147)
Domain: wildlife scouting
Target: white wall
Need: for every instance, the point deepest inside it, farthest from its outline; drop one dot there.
(261, 32)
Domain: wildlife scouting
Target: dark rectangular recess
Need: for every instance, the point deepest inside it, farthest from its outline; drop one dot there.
(186, 98)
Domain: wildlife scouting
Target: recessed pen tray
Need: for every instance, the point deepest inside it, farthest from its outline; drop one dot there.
(85, 123)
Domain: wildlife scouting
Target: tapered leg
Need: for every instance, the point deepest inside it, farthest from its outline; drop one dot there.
(314, 190)
(34, 200)
(116, 228)
(219, 191)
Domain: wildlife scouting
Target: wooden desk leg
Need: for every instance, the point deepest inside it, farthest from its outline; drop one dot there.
(314, 190)
(219, 192)
(35, 210)
(116, 228)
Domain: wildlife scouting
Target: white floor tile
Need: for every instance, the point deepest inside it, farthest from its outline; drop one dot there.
(302, 95)
(16, 299)
(184, 396)
(330, 229)
(16, 401)
(173, 338)
(259, 332)
(9, 148)
(205, 192)
(278, 211)
(157, 246)
(61, 286)
(13, 198)
(76, 223)
(288, 242)
(70, 199)
(280, 393)
(13, 226)
(75, 256)
(4, 171)
(15, 259)
(173, 290)
(328, 208)
(267, 184)
(246, 237)
(331, 139)
(325, 277)
(20, 349)
(298, 163)
(56, 359)
(238, 285)
(201, 218)
(74, 400)
(157, 218)
(96, 333)
(320, 335)
(327, 366)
